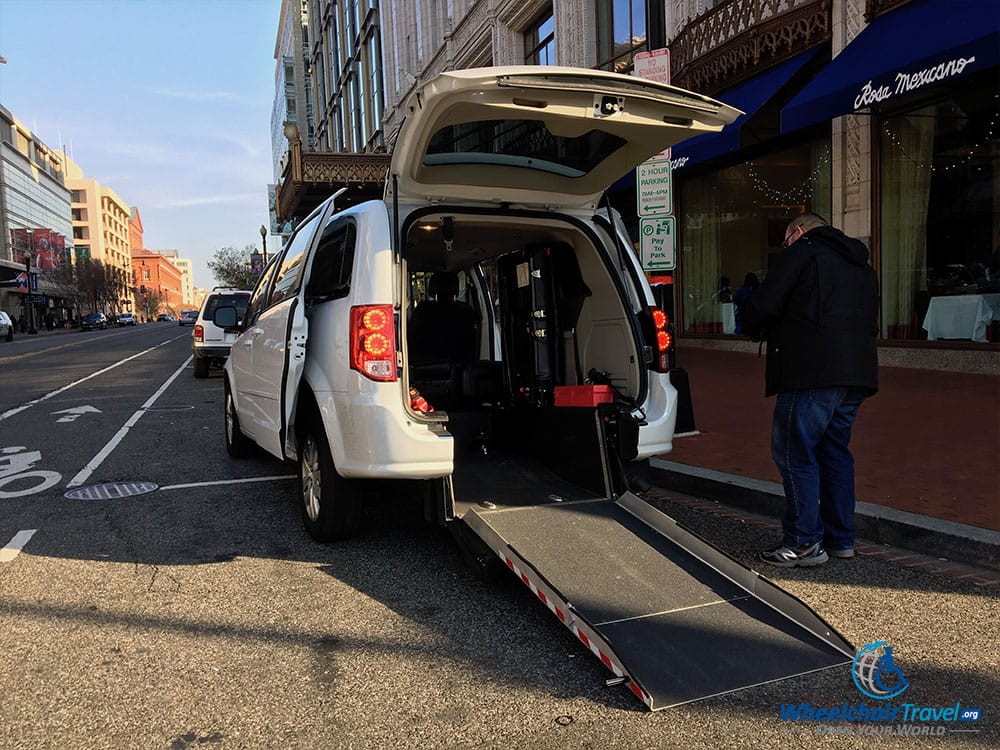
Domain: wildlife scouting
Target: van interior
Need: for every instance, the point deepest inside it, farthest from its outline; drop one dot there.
(501, 315)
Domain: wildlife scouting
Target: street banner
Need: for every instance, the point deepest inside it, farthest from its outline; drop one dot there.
(42, 240)
(21, 240)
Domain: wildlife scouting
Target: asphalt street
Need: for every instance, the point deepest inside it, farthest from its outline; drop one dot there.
(200, 614)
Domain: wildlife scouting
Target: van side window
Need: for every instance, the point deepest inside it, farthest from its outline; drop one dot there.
(290, 269)
(330, 277)
(259, 295)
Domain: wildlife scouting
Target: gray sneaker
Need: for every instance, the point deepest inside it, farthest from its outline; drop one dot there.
(844, 553)
(796, 557)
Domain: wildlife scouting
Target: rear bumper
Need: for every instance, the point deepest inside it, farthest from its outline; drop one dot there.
(211, 352)
(374, 437)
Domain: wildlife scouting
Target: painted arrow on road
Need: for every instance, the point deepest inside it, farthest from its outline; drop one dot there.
(75, 413)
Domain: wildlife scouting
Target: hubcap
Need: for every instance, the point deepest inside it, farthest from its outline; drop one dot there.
(230, 419)
(311, 477)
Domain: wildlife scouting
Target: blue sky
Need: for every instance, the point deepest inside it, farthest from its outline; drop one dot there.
(168, 102)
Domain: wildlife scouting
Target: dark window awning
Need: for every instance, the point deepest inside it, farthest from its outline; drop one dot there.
(921, 44)
(748, 96)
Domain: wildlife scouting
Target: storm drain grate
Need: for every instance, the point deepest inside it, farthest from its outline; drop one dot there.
(111, 491)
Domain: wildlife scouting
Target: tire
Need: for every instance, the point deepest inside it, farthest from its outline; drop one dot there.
(10, 334)
(330, 507)
(238, 445)
(201, 367)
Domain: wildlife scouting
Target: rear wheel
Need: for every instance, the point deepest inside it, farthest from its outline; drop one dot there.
(201, 367)
(329, 502)
(238, 445)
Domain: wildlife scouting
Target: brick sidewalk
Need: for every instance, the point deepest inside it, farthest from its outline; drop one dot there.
(927, 443)
(986, 579)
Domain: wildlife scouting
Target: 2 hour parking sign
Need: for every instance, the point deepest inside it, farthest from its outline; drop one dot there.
(657, 243)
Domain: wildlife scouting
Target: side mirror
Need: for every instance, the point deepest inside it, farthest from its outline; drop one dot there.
(225, 317)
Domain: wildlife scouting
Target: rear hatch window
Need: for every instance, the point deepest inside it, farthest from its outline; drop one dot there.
(520, 143)
(239, 301)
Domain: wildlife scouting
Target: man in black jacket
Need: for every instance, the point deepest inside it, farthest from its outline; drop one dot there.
(817, 308)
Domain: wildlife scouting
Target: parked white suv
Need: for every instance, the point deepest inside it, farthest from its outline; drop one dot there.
(485, 321)
(209, 343)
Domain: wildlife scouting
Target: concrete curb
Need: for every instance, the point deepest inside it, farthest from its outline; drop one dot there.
(877, 523)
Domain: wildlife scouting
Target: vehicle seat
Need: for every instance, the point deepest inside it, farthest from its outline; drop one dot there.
(441, 337)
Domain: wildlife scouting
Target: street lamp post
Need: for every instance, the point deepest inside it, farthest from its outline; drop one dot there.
(263, 241)
(27, 297)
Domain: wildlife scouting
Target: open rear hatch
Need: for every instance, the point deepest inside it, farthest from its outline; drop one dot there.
(537, 136)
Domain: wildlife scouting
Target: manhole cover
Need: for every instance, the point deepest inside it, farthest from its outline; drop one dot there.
(111, 491)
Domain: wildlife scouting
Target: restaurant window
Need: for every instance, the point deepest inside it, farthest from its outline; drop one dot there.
(621, 33)
(732, 223)
(940, 215)
(539, 41)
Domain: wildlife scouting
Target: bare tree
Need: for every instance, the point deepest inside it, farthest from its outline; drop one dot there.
(231, 267)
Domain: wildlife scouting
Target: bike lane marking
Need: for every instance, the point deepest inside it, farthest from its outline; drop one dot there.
(15, 545)
(47, 396)
(97, 460)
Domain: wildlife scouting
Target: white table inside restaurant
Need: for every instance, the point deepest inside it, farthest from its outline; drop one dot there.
(728, 317)
(963, 316)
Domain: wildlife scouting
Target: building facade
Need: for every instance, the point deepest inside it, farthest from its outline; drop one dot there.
(103, 231)
(880, 115)
(329, 104)
(34, 224)
(158, 283)
(186, 268)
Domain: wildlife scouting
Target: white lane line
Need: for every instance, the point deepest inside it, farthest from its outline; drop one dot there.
(15, 545)
(226, 481)
(97, 460)
(47, 396)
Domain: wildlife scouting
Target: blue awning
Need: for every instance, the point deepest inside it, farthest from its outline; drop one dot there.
(748, 96)
(923, 43)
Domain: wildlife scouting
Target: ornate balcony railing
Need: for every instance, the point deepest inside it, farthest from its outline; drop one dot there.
(732, 40)
(878, 7)
(309, 177)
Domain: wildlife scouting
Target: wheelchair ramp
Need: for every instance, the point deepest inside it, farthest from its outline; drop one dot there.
(677, 619)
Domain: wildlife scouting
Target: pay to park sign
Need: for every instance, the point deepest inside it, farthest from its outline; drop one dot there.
(656, 243)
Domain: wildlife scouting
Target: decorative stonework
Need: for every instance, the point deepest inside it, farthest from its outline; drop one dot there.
(734, 39)
(853, 19)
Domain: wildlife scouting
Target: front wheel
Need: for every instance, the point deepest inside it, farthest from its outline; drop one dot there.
(238, 445)
(329, 502)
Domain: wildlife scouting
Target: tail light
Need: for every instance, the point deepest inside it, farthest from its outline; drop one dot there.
(373, 342)
(199, 332)
(661, 360)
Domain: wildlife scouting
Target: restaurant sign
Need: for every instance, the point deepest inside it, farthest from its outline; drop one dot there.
(906, 82)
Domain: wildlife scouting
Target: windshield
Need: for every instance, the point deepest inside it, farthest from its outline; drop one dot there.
(520, 143)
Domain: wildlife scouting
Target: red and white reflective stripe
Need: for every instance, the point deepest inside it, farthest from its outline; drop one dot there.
(571, 624)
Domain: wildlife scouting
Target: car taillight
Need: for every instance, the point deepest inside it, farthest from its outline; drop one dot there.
(199, 333)
(373, 342)
(661, 360)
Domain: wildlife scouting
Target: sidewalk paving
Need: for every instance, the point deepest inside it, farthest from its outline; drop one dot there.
(926, 448)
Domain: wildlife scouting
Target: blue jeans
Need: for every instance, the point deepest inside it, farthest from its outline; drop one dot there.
(809, 444)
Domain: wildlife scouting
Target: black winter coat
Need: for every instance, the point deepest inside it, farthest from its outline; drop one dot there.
(818, 310)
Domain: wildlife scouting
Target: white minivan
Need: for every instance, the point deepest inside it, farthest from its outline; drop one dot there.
(486, 326)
